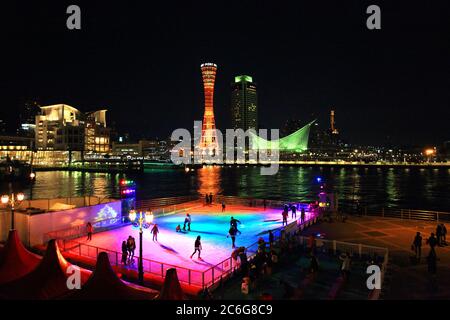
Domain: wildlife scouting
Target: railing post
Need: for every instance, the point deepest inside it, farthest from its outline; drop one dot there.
(334, 246)
(162, 270)
(212, 272)
(117, 258)
(189, 276)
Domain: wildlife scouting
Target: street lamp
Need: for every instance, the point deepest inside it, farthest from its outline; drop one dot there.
(141, 218)
(11, 201)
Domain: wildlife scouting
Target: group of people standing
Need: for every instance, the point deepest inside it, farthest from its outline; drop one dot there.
(128, 248)
(293, 209)
(438, 239)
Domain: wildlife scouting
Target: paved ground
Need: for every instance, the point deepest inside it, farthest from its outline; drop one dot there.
(406, 279)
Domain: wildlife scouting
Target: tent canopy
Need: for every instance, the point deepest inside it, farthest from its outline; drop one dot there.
(15, 260)
(104, 284)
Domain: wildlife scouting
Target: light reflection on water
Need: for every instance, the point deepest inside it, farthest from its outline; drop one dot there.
(427, 189)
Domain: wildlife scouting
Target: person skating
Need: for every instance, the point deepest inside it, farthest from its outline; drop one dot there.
(302, 215)
(155, 232)
(285, 216)
(131, 246)
(294, 212)
(417, 245)
(90, 230)
(198, 247)
(187, 221)
(233, 224)
(232, 233)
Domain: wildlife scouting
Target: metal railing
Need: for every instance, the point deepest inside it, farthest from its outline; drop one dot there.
(165, 206)
(252, 202)
(410, 214)
(46, 204)
(80, 230)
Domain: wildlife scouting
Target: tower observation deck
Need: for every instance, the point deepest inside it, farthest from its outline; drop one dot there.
(208, 140)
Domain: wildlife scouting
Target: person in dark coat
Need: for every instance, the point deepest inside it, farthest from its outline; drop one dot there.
(271, 238)
(232, 233)
(124, 252)
(294, 212)
(439, 235)
(198, 247)
(432, 242)
(417, 245)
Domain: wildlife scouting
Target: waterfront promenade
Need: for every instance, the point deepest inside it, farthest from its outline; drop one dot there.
(405, 279)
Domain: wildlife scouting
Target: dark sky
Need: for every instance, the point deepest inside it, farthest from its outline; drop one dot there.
(140, 60)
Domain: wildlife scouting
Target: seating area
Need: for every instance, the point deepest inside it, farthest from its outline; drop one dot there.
(293, 278)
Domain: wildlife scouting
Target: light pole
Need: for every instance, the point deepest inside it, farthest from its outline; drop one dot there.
(144, 217)
(32, 179)
(11, 201)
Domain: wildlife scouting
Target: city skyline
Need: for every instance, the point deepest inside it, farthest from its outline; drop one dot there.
(381, 92)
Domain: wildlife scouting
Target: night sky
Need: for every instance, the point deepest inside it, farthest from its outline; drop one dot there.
(141, 60)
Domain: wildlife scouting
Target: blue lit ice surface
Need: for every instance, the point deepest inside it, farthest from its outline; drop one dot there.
(214, 227)
(175, 249)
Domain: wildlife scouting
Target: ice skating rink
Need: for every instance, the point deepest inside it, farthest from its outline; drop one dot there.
(209, 222)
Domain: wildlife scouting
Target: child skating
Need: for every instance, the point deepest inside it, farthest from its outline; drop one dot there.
(198, 247)
(155, 232)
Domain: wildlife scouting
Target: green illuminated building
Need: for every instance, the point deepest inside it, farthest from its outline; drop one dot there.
(295, 142)
(244, 104)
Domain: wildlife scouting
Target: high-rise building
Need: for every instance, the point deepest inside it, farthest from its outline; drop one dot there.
(244, 103)
(62, 127)
(208, 140)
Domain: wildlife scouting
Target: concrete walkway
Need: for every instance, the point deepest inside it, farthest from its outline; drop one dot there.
(405, 279)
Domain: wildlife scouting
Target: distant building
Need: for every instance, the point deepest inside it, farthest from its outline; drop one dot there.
(150, 149)
(62, 127)
(97, 134)
(16, 148)
(244, 103)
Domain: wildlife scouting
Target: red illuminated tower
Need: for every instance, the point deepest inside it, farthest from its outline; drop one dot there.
(208, 141)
